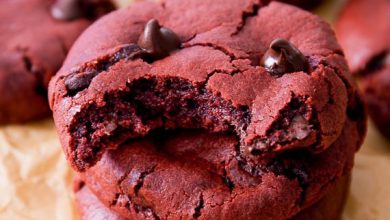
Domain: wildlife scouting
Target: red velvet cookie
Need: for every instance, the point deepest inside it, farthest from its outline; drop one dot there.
(196, 175)
(185, 64)
(329, 207)
(33, 47)
(363, 30)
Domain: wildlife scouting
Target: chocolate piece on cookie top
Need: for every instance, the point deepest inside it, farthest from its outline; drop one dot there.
(158, 41)
(283, 57)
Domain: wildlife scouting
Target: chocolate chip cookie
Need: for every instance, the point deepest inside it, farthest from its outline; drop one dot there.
(175, 110)
(33, 45)
(363, 29)
(277, 89)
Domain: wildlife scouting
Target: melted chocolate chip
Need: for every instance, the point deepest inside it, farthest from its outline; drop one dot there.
(158, 41)
(66, 9)
(77, 82)
(283, 57)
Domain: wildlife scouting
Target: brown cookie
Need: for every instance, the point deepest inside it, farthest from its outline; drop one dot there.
(33, 46)
(363, 30)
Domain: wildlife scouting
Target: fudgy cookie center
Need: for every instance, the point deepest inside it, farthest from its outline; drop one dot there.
(150, 104)
(170, 103)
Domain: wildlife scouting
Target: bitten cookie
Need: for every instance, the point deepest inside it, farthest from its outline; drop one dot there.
(33, 46)
(196, 175)
(277, 84)
(363, 30)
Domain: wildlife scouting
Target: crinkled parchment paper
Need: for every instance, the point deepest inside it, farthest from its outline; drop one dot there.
(35, 180)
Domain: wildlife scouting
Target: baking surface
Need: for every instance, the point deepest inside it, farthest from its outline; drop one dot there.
(35, 180)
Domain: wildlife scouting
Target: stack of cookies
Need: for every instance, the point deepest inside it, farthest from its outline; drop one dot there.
(213, 109)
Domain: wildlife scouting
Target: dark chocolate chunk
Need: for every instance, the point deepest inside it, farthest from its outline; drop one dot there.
(158, 41)
(79, 81)
(66, 9)
(283, 57)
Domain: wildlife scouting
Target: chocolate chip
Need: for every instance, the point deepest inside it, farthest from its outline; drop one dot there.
(158, 41)
(66, 9)
(79, 81)
(283, 57)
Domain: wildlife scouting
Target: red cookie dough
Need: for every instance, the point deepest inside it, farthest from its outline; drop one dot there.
(363, 30)
(33, 46)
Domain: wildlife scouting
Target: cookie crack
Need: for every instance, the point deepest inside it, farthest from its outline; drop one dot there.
(301, 176)
(199, 207)
(216, 71)
(231, 56)
(215, 47)
(227, 181)
(123, 200)
(141, 178)
(245, 15)
(122, 179)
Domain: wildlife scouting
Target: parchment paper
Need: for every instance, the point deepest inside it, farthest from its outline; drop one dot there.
(35, 180)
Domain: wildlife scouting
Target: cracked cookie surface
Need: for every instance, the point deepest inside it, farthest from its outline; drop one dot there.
(33, 47)
(214, 81)
(329, 207)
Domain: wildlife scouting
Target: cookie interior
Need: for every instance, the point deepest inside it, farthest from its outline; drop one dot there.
(172, 102)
